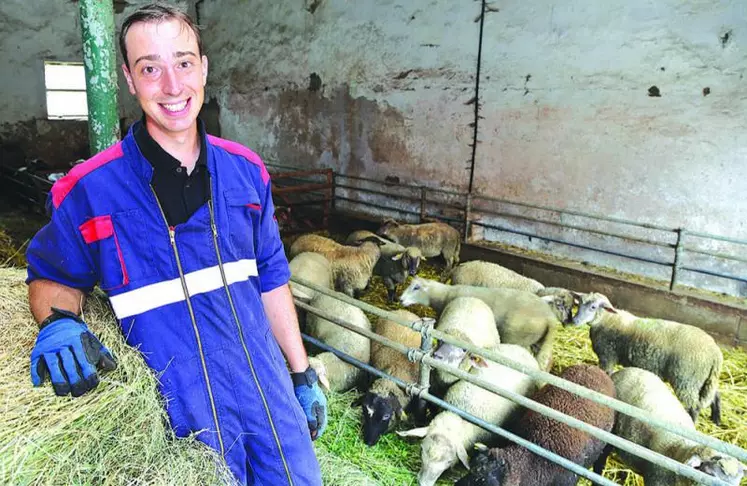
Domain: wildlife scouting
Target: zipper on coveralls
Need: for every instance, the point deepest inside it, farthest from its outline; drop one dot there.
(172, 238)
(241, 338)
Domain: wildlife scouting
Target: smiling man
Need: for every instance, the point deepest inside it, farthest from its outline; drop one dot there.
(177, 227)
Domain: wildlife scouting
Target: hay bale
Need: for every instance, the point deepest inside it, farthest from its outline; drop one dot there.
(117, 434)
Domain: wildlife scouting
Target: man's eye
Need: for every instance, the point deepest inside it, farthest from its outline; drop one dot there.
(149, 70)
(186, 64)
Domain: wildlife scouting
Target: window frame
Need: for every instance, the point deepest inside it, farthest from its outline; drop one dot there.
(47, 91)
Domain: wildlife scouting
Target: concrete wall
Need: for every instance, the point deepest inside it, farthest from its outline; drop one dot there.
(383, 89)
(32, 31)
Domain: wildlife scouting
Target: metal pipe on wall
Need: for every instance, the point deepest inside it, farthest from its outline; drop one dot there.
(99, 60)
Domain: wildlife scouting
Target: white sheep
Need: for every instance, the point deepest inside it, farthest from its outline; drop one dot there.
(384, 404)
(313, 267)
(685, 356)
(468, 319)
(448, 437)
(352, 266)
(433, 239)
(646, 391)
(521, 317)
(340, 375)
(486, 274)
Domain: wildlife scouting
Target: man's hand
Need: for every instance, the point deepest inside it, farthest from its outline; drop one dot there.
(312, 400)
(69, 354)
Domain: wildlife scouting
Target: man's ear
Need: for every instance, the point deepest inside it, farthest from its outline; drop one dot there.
(128, 77)
(204, 70)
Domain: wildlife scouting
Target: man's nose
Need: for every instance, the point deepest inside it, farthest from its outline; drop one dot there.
(171, 83)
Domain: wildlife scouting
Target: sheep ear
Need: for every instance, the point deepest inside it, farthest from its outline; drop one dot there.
(462, 455)
(419, 432)
(548, 298)
(478, 361)
(609, 308)
(480, 447)
(324, 382)
(397, 257)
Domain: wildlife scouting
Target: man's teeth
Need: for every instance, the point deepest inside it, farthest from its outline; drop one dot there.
(176, 107)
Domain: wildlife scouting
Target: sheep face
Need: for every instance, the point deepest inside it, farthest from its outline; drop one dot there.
(411, 259)
(590, 308)
(486, 470)
(561, 301)
(718, 465)
(438, 454)
(415, 293)
(378, 414)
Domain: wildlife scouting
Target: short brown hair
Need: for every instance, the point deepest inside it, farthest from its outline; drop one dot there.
(157, 12)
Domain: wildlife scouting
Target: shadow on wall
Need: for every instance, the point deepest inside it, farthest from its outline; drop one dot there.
(56, 142)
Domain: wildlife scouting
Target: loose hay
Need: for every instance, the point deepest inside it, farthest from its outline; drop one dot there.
(117, 434)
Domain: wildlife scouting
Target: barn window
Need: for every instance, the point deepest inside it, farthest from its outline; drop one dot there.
(66, 90)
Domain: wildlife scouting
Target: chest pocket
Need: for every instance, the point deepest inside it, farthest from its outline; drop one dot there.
(244, 211)
(121, 247)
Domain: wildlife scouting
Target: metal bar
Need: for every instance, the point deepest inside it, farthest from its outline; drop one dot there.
(579, 213)
(468, 215)
(410, 186)
(677, 259)
(423, 202)
(692, 249)
(715, 237)
(551, 456)
(426, 343)
(379, 193)
(99, 59)
(373, 205)
(301, 188)
(579, 228)
(714, 274)
(301, 173)
(576, 245)
(543, 376)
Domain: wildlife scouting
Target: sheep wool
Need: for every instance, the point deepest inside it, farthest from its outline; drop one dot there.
(486, 274)
(313, 267)
(515, 465)
(341, 375)
(433, 239)
(647, 391)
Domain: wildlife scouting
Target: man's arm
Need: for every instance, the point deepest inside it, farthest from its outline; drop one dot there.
(281, 313)
(45, 294)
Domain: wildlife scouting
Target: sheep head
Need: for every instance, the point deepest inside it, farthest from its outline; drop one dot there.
(716, 464)
(321, 371)
(438, 453)
(561, 301)
(416, 292)
(591, 307)
(379, 415)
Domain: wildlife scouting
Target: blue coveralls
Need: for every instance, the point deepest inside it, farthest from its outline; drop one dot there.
(189, 298)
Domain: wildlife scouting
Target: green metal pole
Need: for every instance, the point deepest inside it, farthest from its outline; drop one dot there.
(99, 59)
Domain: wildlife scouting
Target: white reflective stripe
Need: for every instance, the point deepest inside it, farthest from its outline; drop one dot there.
(156, 295)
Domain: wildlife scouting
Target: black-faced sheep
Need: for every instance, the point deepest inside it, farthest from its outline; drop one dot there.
(521, 317)
(448, 437)
(395, 263)
(517, 466)
(645, 390)
(384, 403)
(352, 266)
(468, 319)
(433, 239)
(340, 375)
(685, 356)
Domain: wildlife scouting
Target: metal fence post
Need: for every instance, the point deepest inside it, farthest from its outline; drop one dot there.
(426, 343)
(423, 214)
(332, 180)
(467, 217)
(678, 250)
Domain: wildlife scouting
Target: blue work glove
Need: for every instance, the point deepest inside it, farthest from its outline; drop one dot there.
(312, 400)
(69, 354)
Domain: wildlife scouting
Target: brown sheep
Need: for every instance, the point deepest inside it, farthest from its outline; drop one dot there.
(433, 239)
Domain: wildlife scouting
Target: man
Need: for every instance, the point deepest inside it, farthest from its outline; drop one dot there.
(177, 227)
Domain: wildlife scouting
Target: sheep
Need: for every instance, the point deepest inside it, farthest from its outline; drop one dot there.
(685, 356)
(384, 403)
(561, 302)
(515, 465)
(433, 239)
(485, 274)
(521, 317)
(313, 267)
(645, 390)
(341, 376)
(352, 266)
(448, 437)
(468, 319)
(395, 262)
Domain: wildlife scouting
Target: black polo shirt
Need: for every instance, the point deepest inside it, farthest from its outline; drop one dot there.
(179, 193)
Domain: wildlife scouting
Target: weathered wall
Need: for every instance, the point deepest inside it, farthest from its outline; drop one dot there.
(383, 90)
(32, 31)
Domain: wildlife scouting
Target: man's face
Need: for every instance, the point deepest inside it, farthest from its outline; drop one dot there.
(166, 75)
